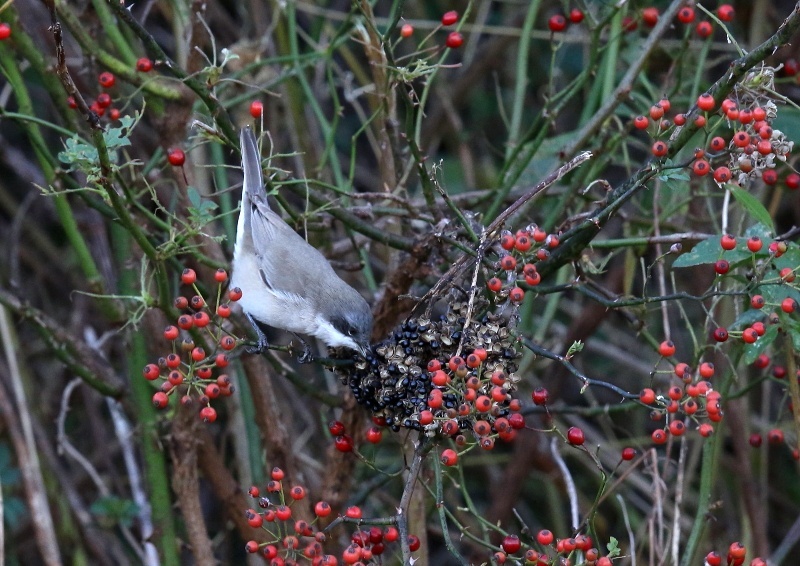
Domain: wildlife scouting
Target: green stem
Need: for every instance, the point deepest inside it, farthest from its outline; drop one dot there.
(521, 76)
(155, 464)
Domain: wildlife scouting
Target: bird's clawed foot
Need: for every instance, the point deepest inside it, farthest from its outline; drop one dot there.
(306, 357)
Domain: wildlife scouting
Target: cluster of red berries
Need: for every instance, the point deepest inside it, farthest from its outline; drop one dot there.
(107, 80)
(649, 16)
(454, 39)
(549, 550)
(754, 247)
(486, 411)
(343, 442)
(188, 371)
(102, 103)
(692, 401)
(559, 22)
(520, 253)
(292, 540)
(737, 554)
(747, 148)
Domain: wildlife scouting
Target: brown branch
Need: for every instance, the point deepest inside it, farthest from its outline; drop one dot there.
(183, 453)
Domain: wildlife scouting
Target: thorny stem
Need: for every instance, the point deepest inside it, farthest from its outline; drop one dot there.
(587, 381)
(464, 260)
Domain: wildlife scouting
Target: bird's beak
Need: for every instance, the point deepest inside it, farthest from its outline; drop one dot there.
(363, 349)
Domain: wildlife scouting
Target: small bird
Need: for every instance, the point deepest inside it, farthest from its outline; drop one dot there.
(286, 283)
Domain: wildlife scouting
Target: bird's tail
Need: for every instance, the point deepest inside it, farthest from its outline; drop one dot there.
(251, 166)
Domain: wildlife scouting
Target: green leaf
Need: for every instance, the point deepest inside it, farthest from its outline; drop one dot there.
(747, 318)
(613, 547)
(752, 205)
(708, 252)
(115, 510)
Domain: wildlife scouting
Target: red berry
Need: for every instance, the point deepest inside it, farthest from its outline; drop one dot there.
(686, 15)
(575, 436)
(576, 16)
(336, 428)
(407, 30)
(557, 22)
(728, 242)
(176, 157)
(660, 149)
(679, 119)
(454, 40)
(701, 167)
(413, 543)
(788, 305)
(151, 372)
(764, 147)
(511, 544)
(722, 174)
(659, 436)
(449, 457)
(726, 12)
(706, 429)
(449, 18)
(792, 181)
(722, 266)
(106, 79)
(713, 558)
(656, 112)
(297, 492)
(374, 435)
(704, 29)
(494, 284)
(523, 243)
(775, 436)
(160, 400)
(322, 509)
(787, 274)
(741, 139)
(769, 176)
(717, 143)
(749, 335)
(754, 244)
(256, 109)
(516, 295)
(545, 537)
(666, 349)
(344, 443)
(540, 396)
(353, 512)
(650, 16)
(677, 428)
(144, 65)
(628, 453)
(706, 102)
(647, 396)
(5, 31)
(641, 122)
(720, 334)
(508, 263)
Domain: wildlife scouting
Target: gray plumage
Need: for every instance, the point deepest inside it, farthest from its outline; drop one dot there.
(286, 283)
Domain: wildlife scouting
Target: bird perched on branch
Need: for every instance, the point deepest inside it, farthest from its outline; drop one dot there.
(286, 283)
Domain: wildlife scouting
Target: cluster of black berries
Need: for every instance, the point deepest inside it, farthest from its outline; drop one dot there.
(441, 373)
